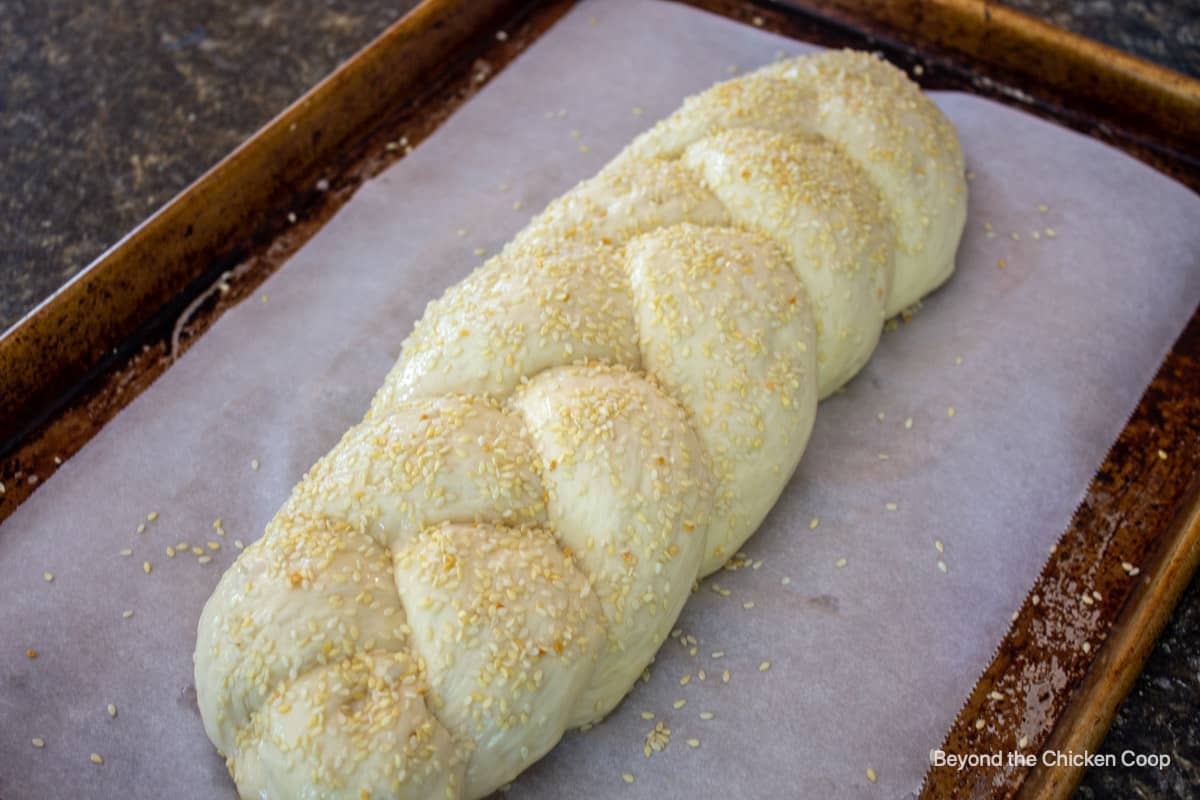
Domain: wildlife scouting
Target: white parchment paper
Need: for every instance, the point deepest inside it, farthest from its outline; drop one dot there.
(1041, 360)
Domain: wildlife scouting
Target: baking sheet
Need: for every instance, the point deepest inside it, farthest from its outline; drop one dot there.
(1041, 359)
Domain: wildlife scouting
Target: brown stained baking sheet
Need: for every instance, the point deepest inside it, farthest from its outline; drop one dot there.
(1139, 480)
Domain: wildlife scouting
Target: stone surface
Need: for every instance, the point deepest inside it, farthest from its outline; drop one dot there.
(110, 107)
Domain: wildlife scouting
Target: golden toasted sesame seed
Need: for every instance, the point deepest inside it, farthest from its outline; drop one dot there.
(958, 360)
(127, 613)
(749, 604)
(146, 567)
(908, 423)
(141, 528)
(628, 778)
(994, 695)
(1050, 233)
(204, 559)
(170, 551)
(1162, 455)
(214, 545)
(785, 580)
(813, 523)
(693, 742)
(254, 464)
(756, 21)
(706, 715)
(685, 680)
(96, 759)
(725, 676)
(764, 666)
(841, 562)
(112, 711)
(950, 412)
(127, 552)
(479, 251)
(979, 724)
(937, 544)
(1043, 208)
(647, 715)
(718, 654)
(890, 506)
(871, 776)
(1087, 647)
(48, 577)
(153, 515)
(39, 742)
(680, 703)
(583, 148)
(941, 565)
(31, 653)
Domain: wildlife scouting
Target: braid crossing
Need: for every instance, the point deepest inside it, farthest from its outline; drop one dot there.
(575, 433)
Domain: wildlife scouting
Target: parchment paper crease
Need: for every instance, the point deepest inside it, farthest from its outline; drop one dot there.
(869, 661)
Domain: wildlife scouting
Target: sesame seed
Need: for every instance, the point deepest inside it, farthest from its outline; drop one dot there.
(141, 528)
(685, 680)
(785, 580)
(153, 515)
(764, 666)
(749, 604)
(883, 456)
(501, 36)
(937, 544)
(112, 711)
(1050, 233)
(1001, 263)
(214, 546)
(701, 674)
(48, 577)
(813, 523)
(941, 565)
(994, 695)
(583, 148)
(1087, 647)
(31, 653)
(958, 360)
(891, 506)
(1035, 599)
(479, 251)
(254, 464)
(979, 724)
(725, 676)
(1162, 455)
(908, 423)
(950, 412)
(127, 613)
(238, 544)
(871, 776)
(146, 567)
(718, 654)
(628, 778)
(678, 704)
(1043, 208)
(706, 715)
(127, 552)
(693, 742)
(1022, 742)
(170, 551)
(1087, 600)
(647, 715)
(197, 551)
(756, 21)
(39, 742)
(841, 562)
(96, 759)
(638, 111)
(204, 559)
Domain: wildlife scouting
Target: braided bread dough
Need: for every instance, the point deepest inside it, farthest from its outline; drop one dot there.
(573, 434)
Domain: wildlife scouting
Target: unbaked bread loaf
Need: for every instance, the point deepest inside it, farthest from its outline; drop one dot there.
(594, 418)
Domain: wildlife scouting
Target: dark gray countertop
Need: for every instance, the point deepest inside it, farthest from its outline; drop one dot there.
(110, 107)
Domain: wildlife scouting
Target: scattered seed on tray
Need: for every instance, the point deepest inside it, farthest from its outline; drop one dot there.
(48, 577)
(871, 776)
(39, 742)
